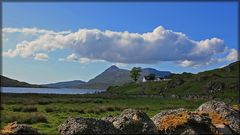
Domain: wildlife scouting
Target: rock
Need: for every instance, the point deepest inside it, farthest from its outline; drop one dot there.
(174, 83)
(214, 86)
(132, 121)
(18, 129)
(75, 126)
(181, 121)
(221, 113)
(223, 129)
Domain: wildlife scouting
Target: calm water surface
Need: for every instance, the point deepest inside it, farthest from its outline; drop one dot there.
(49, 90)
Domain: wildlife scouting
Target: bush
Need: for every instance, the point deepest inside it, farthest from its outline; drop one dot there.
(44, 102)
(29, 109)
(1, 108)
(76, 110)
(17, 108)
(24, 109)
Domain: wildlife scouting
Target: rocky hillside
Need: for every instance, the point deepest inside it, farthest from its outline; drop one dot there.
(7, 82)
(213, 117)
(221, 83)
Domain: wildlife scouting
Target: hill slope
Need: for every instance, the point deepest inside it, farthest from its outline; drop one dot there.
(7, 82)
(222, 83)
(67, 84)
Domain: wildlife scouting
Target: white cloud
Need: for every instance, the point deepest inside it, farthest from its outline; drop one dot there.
(124, 47)
(84, 60)
(41, 56)
(72, 57)
(32, 31)
(233, 55)
(120, 64)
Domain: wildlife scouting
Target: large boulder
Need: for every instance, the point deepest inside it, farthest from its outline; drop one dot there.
(181, 121)
(132, 121)
(18, 129)
(76, 126)
(221, 113)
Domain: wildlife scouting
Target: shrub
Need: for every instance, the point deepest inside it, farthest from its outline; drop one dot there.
(17, 108)
(98, 101)
(29, 109)
(45, 102)
(76, 110)
(24, 109)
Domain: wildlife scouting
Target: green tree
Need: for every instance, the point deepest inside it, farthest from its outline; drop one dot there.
(150, 77)
(135, 73)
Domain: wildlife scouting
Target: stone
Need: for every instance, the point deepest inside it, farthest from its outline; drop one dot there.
(221, 113)
(76, 126)
(132, 121)
(18, 129)
(181, 121)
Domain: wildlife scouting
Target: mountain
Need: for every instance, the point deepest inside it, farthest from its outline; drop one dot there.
(147, 71)
(116, 76)
(67, 84)
(220, 83)
(8, 82)
(111, 76)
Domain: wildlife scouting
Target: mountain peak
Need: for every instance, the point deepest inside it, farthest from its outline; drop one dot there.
(112, 68)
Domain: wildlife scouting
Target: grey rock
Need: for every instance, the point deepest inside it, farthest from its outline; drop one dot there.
(174, 83)
(76, 126)
(225, 111)
(132, 121)
(214, 86)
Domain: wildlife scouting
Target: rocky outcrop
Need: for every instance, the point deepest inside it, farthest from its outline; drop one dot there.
(18, 129)
(181, 121)
(214, 86)
(221, 113)
(75, 126)
(132, 121)
(174, 83)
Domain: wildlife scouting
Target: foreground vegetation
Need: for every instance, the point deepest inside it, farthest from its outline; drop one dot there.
(45, 112)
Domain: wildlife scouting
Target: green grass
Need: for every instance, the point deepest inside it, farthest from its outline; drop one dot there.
(59, 107)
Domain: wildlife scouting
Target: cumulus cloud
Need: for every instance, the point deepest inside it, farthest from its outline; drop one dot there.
(41, 56)
(124, 47)
(72, 57)
(233, 55)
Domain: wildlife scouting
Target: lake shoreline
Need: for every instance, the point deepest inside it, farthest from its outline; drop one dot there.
(49, 90)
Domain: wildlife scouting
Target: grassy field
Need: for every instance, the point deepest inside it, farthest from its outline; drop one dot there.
(46, 112)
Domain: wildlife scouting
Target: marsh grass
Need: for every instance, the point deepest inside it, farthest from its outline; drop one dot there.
(27, 118)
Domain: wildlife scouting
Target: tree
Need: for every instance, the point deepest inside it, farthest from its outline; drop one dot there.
(135, 73)
(150, 77)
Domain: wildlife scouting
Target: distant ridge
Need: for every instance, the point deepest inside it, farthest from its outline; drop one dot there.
(8, 82)
(66, 84)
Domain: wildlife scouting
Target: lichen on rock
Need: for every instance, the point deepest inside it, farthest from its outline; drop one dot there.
(18, 129)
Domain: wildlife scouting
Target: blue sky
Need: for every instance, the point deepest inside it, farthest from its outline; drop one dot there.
(198, 21)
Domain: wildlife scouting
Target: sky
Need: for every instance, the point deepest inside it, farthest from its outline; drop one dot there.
(51, 42)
